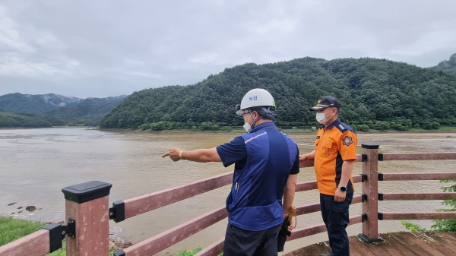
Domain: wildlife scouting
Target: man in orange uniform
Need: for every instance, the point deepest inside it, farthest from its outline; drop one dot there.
(334, 154)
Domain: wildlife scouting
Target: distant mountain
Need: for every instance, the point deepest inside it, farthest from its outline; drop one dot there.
(27, 103)
(41, 103)
(93, 109)
(448, 66)
(25, 110)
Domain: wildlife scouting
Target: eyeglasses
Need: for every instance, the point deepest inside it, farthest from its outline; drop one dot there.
(244, 113)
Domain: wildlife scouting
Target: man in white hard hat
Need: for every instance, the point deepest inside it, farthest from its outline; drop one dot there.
(265, 173)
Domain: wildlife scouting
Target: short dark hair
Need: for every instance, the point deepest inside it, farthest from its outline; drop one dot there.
(265, 112)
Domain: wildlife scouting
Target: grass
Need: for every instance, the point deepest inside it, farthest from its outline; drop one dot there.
(13, 229)
(191, 252)
(188, 252)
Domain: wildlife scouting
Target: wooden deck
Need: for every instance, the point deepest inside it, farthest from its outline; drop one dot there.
(394, 244)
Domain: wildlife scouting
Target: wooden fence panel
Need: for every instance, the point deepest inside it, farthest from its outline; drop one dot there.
(312, 230)
(172, 236)
(419, 196)
(419, 156)
(417, 215)
(138, 205)
(213, 249)
(35, 244)
(306, 186)
(419, 176)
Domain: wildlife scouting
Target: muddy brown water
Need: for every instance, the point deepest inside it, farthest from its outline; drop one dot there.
(37, 163)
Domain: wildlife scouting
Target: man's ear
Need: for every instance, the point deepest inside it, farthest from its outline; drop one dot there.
(255, 115)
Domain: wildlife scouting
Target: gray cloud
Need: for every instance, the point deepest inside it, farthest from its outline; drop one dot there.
(108, 48)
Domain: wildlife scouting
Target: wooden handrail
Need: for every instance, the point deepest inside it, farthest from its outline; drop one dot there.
(163, 240)
(306, 186)
(419, 156)
(141, 204)
(213, 249)
(419, 196)
(417, 215)
(312, 230)
(310, 208)
(419, 176)
(35, 244)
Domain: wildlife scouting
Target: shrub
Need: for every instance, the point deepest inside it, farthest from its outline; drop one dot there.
(208, 126)
(430, 125)
(381, 125)
(144, 127)
(362, 127)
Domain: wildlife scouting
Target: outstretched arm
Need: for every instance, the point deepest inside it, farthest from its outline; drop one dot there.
(197, 155)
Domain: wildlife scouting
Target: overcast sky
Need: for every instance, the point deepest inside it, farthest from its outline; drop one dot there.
(102, 48)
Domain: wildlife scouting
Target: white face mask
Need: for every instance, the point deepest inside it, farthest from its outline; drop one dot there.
(247, 127)
(321, 118)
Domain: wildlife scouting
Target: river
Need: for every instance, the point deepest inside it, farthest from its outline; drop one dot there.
(37, 163)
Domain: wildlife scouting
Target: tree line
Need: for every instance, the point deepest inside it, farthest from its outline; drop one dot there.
(375, 94)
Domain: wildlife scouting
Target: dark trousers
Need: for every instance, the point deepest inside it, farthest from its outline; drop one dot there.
(241, 242)
(335, 216)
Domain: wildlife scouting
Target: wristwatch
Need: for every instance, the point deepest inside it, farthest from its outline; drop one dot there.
(342, 188)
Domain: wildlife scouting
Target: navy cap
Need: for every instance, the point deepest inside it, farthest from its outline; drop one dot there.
(325, 102)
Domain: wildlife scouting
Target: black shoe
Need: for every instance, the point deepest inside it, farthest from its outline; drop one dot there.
(329, 254)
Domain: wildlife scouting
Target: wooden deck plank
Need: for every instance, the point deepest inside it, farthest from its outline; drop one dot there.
(387, 246)
(371, 249)
(417, 242)
(394, 244)
(448, 240)
(437, 243)
(356, 251)
(315, 249)
(401, 248)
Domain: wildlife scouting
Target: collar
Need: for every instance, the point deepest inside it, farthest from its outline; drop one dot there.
(336, 122)
(263, 126)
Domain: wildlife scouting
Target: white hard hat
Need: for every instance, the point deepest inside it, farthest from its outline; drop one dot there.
(255, 98)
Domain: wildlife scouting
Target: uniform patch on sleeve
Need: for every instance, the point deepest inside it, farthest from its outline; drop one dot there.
(347, 140)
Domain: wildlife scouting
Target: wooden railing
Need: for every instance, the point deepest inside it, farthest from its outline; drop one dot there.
(86, 211)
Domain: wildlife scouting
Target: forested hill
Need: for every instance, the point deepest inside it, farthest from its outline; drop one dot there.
(373, 92)
(448, 66)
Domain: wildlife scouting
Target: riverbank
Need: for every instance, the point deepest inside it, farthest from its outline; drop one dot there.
(445, 129)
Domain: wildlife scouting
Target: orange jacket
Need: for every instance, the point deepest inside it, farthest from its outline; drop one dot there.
(334, 144)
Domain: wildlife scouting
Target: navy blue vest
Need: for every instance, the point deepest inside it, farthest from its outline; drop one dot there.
(255, 201)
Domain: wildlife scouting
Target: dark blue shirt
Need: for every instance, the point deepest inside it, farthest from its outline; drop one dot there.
(263, 158)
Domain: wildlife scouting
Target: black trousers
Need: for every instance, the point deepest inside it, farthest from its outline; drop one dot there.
(336, 218)
(241, 242)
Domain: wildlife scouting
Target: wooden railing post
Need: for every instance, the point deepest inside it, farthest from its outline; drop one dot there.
(370, 194)
(86, 206)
